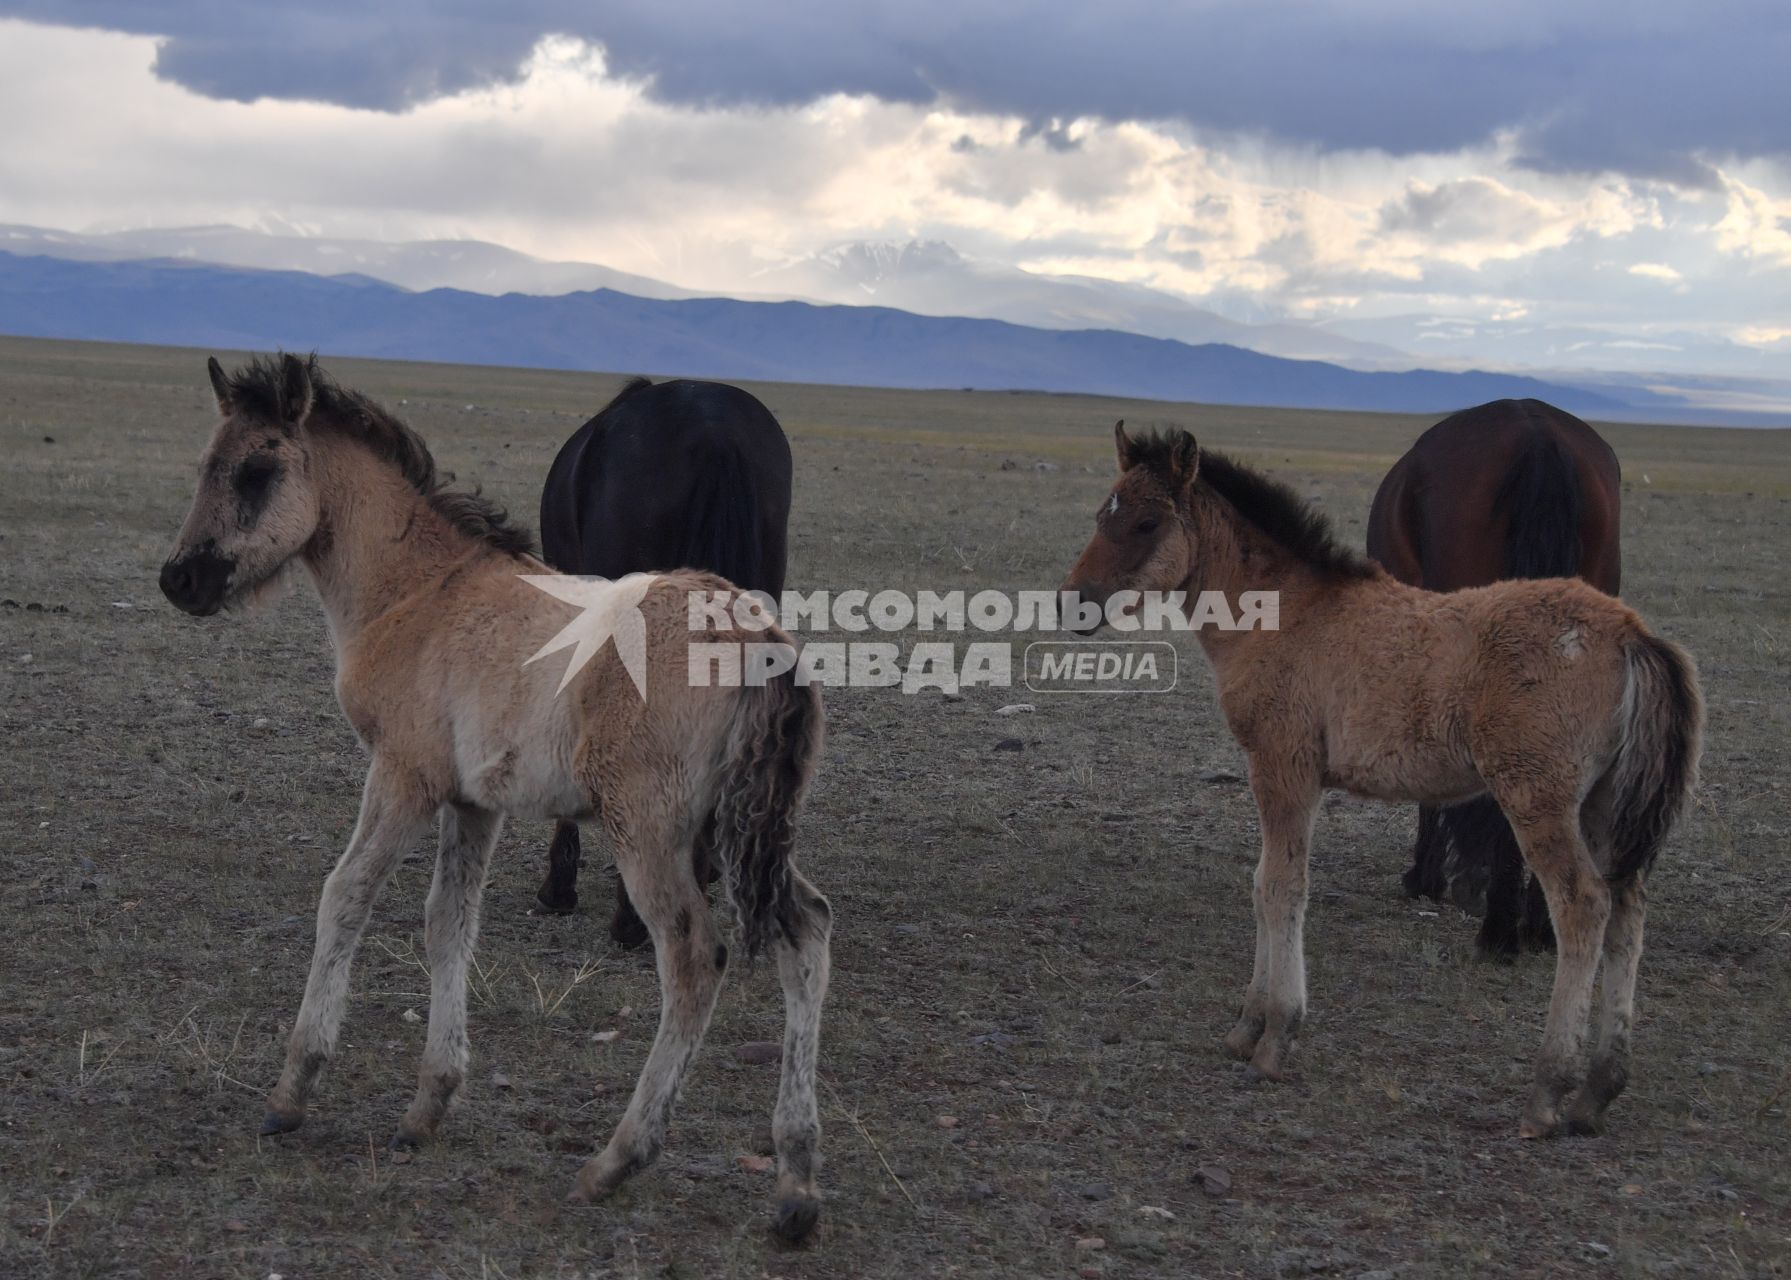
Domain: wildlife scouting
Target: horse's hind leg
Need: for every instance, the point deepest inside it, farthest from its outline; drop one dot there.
(1609, 1071)
(1538, 933)
(803, 964)
(558, 894)
(626, 929)
(393, 817)
(1424, 878)
(1275, 1002)
(1500, 931)
(451, 928)
(1580, 901)
(692, 959)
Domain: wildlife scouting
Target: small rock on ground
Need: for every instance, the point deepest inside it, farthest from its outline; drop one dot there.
(759, 1052)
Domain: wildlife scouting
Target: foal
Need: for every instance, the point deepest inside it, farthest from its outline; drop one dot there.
(1547, 694)
(433, 630)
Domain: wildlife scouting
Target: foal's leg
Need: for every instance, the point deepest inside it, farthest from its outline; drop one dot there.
(1580, 902)
(1609, 1071)
(394, 816)
(1274, 1003)
(802, 966)
(692, 959)
(558, 894)
(451, 927)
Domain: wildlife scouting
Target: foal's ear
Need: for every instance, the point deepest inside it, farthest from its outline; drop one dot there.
(295, 390)
(1186, 459)
(1123, 444)
(220, 385)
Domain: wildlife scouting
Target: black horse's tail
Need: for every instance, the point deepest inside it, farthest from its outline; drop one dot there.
(724, 535)
(1541, 500)
(772, 751)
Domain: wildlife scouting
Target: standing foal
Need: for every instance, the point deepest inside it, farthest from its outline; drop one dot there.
(1547, 694)
(431, 625)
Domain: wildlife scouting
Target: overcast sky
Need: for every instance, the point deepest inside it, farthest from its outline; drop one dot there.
(1614, 163)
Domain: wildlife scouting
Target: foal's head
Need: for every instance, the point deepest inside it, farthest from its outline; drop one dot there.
(1141, 540)
(256, 506)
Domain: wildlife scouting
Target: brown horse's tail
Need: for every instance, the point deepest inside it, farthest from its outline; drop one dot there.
(1657, 765)
(1541, 498)
(773, 748)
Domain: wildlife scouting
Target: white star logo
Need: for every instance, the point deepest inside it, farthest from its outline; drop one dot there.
(608, 611)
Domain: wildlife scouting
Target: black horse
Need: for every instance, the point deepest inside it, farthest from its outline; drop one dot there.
(692, 475)
(1511, 489)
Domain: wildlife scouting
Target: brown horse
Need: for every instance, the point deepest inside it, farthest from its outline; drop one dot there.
(1552, 697)
(433, 628)
(1511, 489)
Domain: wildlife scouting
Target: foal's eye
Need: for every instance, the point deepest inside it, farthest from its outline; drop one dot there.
(254, 477)
(1148, 525)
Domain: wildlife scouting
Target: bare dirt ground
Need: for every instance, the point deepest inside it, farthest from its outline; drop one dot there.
(1036, 951)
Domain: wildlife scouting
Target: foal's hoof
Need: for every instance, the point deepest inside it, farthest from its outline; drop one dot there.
(1268, 1063)
(1585, 1118)
(586, 1192)
(273, 1122)
(796, 1218)
(594, 1185)
(404, 1140)
(1538, 1126)
(1241, 1040)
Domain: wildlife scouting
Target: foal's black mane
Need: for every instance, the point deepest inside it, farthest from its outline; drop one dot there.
(256, 389)
(1273, 508)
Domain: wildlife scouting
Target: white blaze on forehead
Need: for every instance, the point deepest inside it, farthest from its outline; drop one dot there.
(1113, 505)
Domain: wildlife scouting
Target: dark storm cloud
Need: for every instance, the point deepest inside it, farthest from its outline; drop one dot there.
(1653, 88)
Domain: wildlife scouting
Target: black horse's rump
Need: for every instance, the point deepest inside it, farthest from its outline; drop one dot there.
(1510, 489)
(669, 475)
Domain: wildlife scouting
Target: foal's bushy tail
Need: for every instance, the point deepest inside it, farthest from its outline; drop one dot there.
(772, 752)
(1657, 765)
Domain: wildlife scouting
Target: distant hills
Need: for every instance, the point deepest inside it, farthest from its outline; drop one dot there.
(178, 303)
(474, 265)
(931, 278)
(928, 277)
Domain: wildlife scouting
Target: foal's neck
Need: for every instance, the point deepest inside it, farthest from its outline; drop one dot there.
(377, 539)
(1232, 556)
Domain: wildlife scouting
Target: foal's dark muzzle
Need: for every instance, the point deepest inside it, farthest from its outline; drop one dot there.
(1075, 619)
(197, 580)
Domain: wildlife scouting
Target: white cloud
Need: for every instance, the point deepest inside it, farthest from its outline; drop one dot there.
(571, 162)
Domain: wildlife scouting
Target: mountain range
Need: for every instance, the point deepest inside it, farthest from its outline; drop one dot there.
(1684, 376)
(927, 277)
(181, 303)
